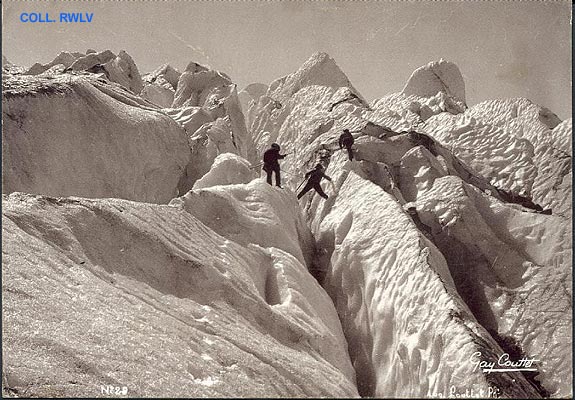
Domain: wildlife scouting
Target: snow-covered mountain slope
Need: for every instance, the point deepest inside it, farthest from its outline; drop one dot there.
(143, 296)
(76, 135)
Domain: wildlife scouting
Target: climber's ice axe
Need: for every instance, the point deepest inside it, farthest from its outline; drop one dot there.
(256, 166)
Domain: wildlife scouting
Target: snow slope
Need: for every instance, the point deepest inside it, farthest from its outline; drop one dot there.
(252, 213)
(143, 296)
(102, 142)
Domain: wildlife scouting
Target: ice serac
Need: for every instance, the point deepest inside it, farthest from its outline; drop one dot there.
(158, 94)
(196, 84)
(102, 142)
(320, 69)
(271, 110)
(167, 74)
(123, 70)
(249, 97)
(160, 85)
(437, 76)
(64, 58)
(257, 213)
(92, 59)
(120, 69)
(553, 184)
(206, 105)
(432, 89)
(144, 296)
(227, 169)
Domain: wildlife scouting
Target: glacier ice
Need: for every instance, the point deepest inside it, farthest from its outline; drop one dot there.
(446, 242)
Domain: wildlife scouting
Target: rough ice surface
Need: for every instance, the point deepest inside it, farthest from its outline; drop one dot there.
(102, 142)
(486, 244)
(143, 296)
(511, 267)
(447, 241)
(404, 345)
(167, 74)
(319, 69)
(124, 71)
(158, 94)
(514, 143)
(250, 95)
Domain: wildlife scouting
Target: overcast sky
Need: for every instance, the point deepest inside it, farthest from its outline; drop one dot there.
(503, 48)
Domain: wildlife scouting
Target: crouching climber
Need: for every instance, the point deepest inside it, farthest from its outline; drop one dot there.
(346, 140)
(271, 163)
(314, 178)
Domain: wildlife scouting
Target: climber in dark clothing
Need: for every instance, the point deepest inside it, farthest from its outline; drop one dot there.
(346, 140)
(271, 164)
(313, 179)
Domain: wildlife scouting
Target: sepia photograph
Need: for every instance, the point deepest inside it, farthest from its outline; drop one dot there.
(287, 199)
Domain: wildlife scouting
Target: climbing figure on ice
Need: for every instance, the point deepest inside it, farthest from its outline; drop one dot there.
(271, 163)
(346, 140)
(314, 178)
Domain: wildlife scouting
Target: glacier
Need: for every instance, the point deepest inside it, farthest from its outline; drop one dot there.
(143, 249)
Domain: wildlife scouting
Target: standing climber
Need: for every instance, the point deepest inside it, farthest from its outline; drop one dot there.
(271, 164)
(313, 179)
(346, 140)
